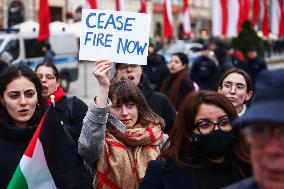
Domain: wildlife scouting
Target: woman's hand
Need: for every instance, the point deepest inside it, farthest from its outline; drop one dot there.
(102, 72)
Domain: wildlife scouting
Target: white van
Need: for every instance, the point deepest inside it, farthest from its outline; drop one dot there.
(25, 48)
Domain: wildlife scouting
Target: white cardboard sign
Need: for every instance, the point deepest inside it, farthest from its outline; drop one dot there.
(114, 35)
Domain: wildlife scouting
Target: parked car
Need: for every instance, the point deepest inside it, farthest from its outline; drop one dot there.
(25, 48)
(193, 50)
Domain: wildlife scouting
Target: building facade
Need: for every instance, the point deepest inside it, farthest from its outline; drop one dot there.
(16, 11)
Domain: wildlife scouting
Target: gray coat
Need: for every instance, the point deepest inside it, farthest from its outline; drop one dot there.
(92, 137)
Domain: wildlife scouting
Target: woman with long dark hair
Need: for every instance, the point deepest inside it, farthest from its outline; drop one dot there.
(21, 109)
(204, 150)
(178, 83)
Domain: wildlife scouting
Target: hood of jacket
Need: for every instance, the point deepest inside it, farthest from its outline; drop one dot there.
(155, 60)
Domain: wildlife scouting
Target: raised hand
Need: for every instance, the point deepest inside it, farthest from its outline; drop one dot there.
(102, 72)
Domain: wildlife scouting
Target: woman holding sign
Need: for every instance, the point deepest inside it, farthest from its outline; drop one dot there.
(131, 132)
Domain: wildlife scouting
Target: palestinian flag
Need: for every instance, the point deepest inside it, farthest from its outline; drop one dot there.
(51, 159)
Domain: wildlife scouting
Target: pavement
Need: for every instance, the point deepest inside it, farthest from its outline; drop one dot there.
(86, 87)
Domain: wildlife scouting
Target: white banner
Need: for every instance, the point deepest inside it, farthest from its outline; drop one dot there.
(114, 35)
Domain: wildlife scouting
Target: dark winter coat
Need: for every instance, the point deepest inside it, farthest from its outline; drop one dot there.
(228, 62)
(177, 86)
(253, 67)
(158, 102)
(156, 70)
(248, 183)
(204, 72)
(3, 67)
(14, 140)
(72, 111)
(164, 174)
(13, 143)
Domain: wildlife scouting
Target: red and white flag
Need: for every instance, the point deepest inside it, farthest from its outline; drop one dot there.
(276, 9)
(44, 19)
(89, 4)
(220, 17)
(233, 18)
(247, 7)
(143, 6)
(186, 22)
(264, 17)
(216, 18)
(281, 23)
(244, 12)
(255, 16)
(168, 19)
(228, 16)
(119, 5)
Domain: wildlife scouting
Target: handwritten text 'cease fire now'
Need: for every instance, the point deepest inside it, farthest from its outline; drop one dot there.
(102, 21)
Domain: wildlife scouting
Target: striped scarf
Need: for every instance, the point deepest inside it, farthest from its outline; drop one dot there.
(125, 157)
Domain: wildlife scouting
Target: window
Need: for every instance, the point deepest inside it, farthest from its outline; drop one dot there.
(13, 47)
(33, 48)
(16, 13)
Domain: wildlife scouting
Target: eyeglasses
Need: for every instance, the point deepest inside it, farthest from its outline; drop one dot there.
(47, 76)
(125, 67)
(259, 134)
(228, 86)
(206, 126)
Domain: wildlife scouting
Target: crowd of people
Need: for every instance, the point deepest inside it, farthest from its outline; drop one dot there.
(216, 124)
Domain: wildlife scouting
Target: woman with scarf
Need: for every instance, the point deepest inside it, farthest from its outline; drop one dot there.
(178, 83)
(204, 150)
(71, 110)
(131, 132)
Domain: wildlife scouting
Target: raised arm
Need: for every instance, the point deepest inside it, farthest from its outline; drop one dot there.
(102, 73)
(91, 140)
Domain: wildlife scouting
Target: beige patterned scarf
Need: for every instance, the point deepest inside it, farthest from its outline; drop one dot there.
(125, 157)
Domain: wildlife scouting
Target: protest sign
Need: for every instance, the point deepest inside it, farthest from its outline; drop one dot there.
(114, 35)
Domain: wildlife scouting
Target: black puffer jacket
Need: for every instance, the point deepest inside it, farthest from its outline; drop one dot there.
(158, 102)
